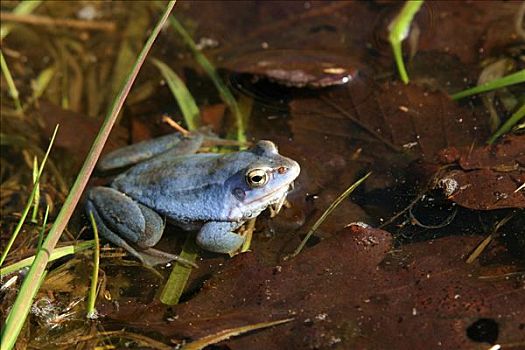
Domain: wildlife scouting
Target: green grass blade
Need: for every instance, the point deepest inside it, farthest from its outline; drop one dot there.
(328, 211)
(42, 230)
(92, 298)
(29, 203)
(180, 274)
(399, 29)
(186, 102)
(29, 288)
(511, 79)
(42, 82)
(36, 201)
(514, 119)
(24, 8)
(208, 67)
(11, 87)
(57, 254)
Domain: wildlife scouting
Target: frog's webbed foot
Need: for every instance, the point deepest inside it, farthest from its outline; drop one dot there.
(128, 224)
(218, 237)
(170, 145)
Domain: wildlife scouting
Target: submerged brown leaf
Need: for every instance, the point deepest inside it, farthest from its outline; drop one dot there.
(489, 177)
(348, 291)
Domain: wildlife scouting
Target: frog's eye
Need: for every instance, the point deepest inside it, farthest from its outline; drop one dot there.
(257, 178)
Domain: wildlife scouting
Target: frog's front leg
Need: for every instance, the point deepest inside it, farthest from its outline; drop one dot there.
(128, 224)
(218, 237)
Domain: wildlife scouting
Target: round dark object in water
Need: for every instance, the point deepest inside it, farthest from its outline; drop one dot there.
(484, 330)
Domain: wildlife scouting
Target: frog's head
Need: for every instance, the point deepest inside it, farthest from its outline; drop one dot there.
(264, 181)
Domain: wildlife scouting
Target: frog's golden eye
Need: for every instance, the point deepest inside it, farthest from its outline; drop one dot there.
(257, 178)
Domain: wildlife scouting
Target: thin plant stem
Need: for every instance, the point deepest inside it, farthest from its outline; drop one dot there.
(57, 254)
(17, 316)
(92, 298)
(328, 211)
(29, 203)
(13, 91)
(36, 200)
(43, 229)
(399, 29)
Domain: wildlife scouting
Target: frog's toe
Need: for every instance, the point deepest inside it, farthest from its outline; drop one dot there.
(219, 237)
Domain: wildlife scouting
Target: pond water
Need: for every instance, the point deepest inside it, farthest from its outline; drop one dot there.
(428, 252)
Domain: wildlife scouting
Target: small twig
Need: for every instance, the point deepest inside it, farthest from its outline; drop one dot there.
(59, 22)
(167, 119)
(230, 332)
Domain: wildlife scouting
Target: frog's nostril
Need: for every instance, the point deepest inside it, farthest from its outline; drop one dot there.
(282, 170)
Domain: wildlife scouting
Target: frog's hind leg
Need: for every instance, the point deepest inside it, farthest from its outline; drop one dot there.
(110, 235)
(173, 144)
(126, 223)
(218, 237)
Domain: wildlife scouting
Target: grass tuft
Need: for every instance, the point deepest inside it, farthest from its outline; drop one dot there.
(20, 309)
(29, 203)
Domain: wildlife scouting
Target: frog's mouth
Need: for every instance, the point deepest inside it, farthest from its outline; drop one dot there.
(275, 199)
(278, 202)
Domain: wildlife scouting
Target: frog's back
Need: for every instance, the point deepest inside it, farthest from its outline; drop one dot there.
(184, 188)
